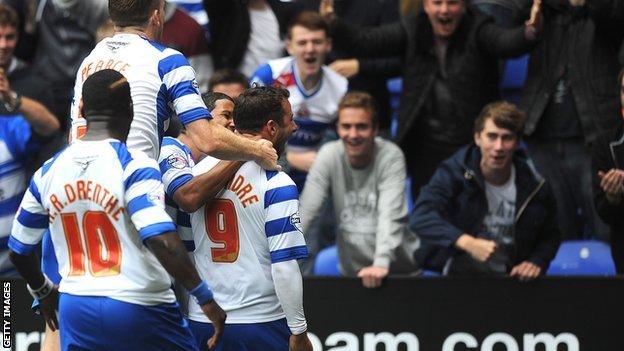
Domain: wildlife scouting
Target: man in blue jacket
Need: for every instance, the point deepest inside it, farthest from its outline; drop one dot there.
(486, 211)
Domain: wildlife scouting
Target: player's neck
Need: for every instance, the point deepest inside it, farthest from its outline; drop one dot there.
(141, 31)
(99, 131)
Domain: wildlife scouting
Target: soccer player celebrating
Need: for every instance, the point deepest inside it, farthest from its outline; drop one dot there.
(114, 241)
(162, 82)
(248, 240)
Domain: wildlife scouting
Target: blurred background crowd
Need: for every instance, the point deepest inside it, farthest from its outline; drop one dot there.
(446, 137)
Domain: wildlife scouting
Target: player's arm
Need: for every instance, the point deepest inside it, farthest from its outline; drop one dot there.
(289, 289)
(217, 141)
(286, 245)
(211, 138)
(204, 187)
(28, 228)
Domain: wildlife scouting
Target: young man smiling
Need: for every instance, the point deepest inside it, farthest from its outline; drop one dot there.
(315, 90)
(365, 178)
(488, 206)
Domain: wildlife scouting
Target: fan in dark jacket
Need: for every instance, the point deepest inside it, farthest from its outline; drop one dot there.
(608, 184)
(486, 210)
(450, 71)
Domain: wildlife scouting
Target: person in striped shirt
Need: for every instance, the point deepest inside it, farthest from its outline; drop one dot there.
(248, 240)
(162, 82)
(115, 244)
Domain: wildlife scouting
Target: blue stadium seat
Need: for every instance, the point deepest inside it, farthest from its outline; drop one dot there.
(326, 262)
(395, 86)
(513, 78)
(582, 257)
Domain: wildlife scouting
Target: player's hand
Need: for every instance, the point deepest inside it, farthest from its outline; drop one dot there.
(480, 249)
(612, 183)
(267, 156)
(48, 307)
(526, 271)
(346, 68)
(372, 276)
(217, 316)
(299, 342)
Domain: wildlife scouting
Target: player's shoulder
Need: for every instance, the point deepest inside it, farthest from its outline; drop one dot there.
(205, 165)
(132, 159)
(277, 179)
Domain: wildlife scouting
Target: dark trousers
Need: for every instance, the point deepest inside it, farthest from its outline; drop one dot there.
(566, 165)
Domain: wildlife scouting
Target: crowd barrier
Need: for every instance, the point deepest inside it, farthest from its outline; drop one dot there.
(427, 314)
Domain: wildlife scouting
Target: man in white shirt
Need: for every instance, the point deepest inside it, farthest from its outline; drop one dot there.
(248, 240)
(162, 82)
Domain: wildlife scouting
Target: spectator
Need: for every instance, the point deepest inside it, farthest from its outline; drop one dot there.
(66, 34)
(608, 181)
(24, 125)
(569, 97)
(450, 72)
(315, 90)
(247, 33)
(195, 9)
(364, 73)
(229, 82)
(21, 83)
(364, 177)
(488, 206)
(183, 33)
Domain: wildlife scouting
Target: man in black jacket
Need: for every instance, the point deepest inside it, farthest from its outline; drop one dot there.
(450, 71)
(608, 184)
(486, 208)
(569, 97)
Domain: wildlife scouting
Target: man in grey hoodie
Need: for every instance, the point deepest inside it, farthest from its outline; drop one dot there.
(365, 178)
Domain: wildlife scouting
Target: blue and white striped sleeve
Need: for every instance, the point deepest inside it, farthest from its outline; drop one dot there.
(178, 76)
(263, 75)
(175, 165)
(283, 224)
(31, 220)
(145, 198)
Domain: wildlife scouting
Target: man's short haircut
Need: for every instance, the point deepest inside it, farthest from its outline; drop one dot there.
(309, 20)
(125, 13)
(106, 94)
(227, 76)
(8, 16)
(211, 98)
(504, 115)
(359, 99)
(258, 105)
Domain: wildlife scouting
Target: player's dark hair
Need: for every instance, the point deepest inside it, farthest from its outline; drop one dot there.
(8, 17)
(504, 115)
(227, 76)
(309, 20)
(106, 98)
(211, 98)
(359, 99)
(258, 105)
(125, 13)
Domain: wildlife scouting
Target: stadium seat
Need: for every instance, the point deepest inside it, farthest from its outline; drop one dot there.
(513, 78)
(582, 257)
(395, 86)
(326, 262)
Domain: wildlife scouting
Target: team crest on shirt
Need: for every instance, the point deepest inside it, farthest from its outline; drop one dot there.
(295, 220)
(177, 161)
(303, 112)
